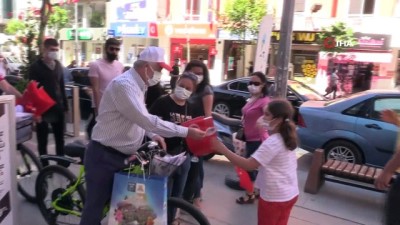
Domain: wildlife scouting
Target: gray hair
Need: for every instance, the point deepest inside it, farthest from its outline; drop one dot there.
(139, 63)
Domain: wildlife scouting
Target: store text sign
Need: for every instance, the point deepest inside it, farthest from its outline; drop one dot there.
(298, 37)
(187, 30)
(133, 29)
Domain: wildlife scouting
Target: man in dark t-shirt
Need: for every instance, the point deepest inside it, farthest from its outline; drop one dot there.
(174, 74)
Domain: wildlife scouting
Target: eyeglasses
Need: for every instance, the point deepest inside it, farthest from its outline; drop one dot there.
(114, 49)
(255, 83)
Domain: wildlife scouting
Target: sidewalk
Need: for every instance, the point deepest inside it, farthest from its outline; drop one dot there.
(335, 204)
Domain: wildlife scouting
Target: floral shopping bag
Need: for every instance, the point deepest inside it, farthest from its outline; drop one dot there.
(138, 200)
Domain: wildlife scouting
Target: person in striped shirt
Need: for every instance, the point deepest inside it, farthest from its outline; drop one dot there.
(276, 162)
(122, 123)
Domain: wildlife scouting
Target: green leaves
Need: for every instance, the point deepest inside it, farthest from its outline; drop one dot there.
(336, 33)
(241, 16)
(14, 26)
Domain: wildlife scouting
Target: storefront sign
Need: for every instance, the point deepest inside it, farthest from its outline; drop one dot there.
(7, 161)
(83, 34)
(372, 41)
(130, 29)
(133, 10)
(298, 37)
(187, 30)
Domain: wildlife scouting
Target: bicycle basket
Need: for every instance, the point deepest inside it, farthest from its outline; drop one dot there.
(161, 168)
(165, 166)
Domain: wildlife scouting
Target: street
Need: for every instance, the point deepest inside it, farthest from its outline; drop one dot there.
(334, 204)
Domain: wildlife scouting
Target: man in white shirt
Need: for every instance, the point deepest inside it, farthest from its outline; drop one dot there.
(122, 123)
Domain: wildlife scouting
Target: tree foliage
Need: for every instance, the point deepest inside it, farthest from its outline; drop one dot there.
(334, 33)
(242, 16)
(14, 26)
(58, 19)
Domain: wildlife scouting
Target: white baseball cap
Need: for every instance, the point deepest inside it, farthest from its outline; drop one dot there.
(154, 54)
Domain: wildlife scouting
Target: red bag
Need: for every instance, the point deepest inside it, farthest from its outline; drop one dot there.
(36, 100)
(201, 147)
(244, 180)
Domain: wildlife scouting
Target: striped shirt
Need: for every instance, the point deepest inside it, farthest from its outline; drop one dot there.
(123, 119)
(277, 174)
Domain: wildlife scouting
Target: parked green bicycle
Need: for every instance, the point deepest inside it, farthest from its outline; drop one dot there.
(61, 195)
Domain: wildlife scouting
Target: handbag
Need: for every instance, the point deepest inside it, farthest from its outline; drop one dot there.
(240, 134)
(138, 200)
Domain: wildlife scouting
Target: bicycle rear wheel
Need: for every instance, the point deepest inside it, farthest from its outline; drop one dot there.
(51, 184)
(28, 168)
(186, 213)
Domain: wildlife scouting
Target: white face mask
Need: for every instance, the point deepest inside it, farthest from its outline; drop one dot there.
(199, 78)
(156, 78)
(254, 89)
(52, 55)
(266, 124)
(148, 76)
(182, 93)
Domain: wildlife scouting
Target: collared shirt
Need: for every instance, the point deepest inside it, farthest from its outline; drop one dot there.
(123, 119)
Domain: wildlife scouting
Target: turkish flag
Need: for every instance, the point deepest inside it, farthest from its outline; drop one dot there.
(153, 32)
(244, 180)
(36, 100)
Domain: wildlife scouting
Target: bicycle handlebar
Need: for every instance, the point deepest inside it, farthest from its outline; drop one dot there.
(145, 153)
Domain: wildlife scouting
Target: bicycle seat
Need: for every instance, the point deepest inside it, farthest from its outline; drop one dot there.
(75, 149)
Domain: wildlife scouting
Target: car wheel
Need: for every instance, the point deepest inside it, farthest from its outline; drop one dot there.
(208, 157)
(343, 151)
(222, 108)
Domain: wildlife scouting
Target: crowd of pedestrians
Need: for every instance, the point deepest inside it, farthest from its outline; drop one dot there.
(130, 106)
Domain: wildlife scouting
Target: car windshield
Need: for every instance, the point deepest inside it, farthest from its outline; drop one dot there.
(305, 91)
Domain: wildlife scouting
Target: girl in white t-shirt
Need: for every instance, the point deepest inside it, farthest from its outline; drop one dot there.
(276, 162)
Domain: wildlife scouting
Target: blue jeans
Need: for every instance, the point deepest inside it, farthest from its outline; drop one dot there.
(177, 180)
(251, 147)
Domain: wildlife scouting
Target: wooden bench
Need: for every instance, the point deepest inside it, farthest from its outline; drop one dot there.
(356, 175)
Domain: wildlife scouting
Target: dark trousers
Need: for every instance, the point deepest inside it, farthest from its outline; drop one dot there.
(101, 163)
(90, 125)
(392, 207)
(42, 134)
(192, 187)
(251, 147)
(173, 81)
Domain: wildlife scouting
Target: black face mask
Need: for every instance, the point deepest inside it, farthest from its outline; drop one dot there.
(111, 57)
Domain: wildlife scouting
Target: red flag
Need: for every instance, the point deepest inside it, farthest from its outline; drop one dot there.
(244, 180)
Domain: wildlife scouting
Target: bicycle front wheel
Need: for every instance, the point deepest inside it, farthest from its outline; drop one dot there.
(28, 168)
(58, 201)
(186, 213)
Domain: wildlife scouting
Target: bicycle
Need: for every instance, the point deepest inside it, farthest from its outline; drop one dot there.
(28, 164)
(64, 204)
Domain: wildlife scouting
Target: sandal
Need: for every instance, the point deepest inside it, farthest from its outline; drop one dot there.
(248, 199)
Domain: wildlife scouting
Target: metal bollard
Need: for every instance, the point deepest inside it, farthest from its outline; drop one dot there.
(76, 114)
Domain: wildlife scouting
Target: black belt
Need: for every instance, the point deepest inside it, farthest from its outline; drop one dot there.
(112, 150)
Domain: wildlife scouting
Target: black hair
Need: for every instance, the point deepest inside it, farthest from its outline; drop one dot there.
(191, 76)
(126, 68)
(206, 76)
(111, 41)
(263, 79)
(49, 42)
(281, 108)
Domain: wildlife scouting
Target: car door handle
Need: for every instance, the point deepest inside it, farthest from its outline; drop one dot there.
(373, 126)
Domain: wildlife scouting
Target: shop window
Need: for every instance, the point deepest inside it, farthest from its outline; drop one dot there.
(361, 6)
(193, 9)
(299, 5)
(7, 9)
